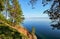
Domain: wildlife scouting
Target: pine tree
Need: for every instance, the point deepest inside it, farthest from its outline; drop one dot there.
(16, 12)
(13, 12)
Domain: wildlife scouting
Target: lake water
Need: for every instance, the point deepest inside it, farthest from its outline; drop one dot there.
(42, 28)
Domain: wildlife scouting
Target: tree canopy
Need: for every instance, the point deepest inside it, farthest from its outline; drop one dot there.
(13, 13)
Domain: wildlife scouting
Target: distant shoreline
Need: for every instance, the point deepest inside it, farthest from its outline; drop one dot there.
(36, 17)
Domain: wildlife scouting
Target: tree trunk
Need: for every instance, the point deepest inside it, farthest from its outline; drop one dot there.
(6, 9)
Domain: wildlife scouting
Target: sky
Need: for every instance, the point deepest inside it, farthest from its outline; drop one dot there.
(37, 12)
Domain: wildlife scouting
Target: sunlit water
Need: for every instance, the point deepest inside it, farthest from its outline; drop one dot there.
(42, 28)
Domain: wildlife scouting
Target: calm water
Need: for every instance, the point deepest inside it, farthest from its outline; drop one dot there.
(42, 27)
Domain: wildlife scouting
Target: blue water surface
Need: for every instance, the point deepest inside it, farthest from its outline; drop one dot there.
(42, 28)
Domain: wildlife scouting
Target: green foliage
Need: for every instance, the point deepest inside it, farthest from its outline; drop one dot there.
(13, 10)
(1, 5)
(9, 33)
(16, 12)
(2, 17)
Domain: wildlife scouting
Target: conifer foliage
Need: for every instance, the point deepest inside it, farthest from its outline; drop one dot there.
(12, 10)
